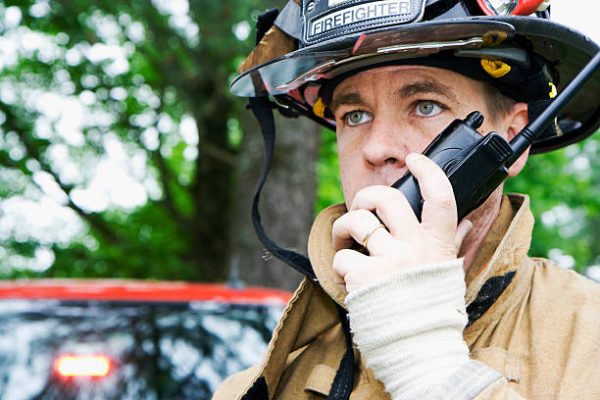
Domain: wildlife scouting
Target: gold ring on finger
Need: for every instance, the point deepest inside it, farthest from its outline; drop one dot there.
(365, 241)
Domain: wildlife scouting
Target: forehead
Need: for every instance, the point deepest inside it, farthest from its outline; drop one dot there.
(394, 77)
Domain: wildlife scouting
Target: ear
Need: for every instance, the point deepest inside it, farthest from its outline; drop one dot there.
(514, 122)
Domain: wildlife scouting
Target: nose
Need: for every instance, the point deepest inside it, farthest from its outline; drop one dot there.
(386, 145)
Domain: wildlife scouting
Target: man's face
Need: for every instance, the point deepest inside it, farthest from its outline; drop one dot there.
(385, 113)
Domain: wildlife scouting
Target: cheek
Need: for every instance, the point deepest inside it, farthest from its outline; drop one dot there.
(430, 129)
(421, 131)
(348, 148)
(489, 126)
(346, 170)
(351, 171)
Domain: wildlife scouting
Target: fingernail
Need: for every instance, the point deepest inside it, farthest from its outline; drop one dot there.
(469, 225)
(412, 157)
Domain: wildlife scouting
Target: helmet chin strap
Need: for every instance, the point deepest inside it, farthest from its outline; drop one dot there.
(263, 111)
(262, 108)
(343, 382)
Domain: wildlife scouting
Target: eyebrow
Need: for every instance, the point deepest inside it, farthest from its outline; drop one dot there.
(424, 87)
(346, 99)
(405, 92)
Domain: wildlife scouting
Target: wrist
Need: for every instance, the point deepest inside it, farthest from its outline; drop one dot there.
(409, 327)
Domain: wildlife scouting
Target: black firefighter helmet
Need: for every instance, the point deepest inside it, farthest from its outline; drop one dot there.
(512, 44)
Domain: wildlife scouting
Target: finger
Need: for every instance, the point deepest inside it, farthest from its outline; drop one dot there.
(339, 281)
(462, 231)
(439, 216)
(352, 226)
(377, 240)
(357, 225)
(346, 260)
(352, 267)
(390, 205)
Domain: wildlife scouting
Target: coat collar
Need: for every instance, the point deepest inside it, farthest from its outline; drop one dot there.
(504, 247)
(310, 313)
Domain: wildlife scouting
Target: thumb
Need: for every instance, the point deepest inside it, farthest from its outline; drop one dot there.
(462, 231)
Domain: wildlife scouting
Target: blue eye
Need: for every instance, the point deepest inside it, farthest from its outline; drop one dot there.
(357, 117)
(428, 108)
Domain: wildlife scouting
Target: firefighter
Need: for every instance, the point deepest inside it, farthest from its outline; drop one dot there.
(426, 295)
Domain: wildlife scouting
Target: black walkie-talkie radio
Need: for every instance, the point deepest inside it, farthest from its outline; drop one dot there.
(476, 165)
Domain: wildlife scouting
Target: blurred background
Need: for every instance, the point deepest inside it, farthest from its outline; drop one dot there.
(122, 153)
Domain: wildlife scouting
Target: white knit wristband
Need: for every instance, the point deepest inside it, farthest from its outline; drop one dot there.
(409, 328)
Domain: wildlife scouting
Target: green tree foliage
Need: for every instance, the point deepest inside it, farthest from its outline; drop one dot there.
(147, 81)
(329, 189)
(564, 187)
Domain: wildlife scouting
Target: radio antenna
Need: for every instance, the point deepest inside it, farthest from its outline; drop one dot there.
(525, 138)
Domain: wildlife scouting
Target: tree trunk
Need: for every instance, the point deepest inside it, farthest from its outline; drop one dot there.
(213, 196)
(287, 201)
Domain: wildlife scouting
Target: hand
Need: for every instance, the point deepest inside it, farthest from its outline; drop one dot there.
(402, 241)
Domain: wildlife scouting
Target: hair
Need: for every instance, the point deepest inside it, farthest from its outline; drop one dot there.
(497, 103)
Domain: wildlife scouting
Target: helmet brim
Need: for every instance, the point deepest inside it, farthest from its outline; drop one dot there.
(567, 50)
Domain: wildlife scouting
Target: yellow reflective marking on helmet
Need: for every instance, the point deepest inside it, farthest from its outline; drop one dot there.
(495, 68)
(553, 91)
(319, 108)
(494, 38)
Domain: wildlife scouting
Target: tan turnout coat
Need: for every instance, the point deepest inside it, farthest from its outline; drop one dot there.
(542, 333)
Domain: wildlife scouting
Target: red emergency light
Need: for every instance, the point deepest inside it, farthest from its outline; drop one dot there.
(93, 366)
